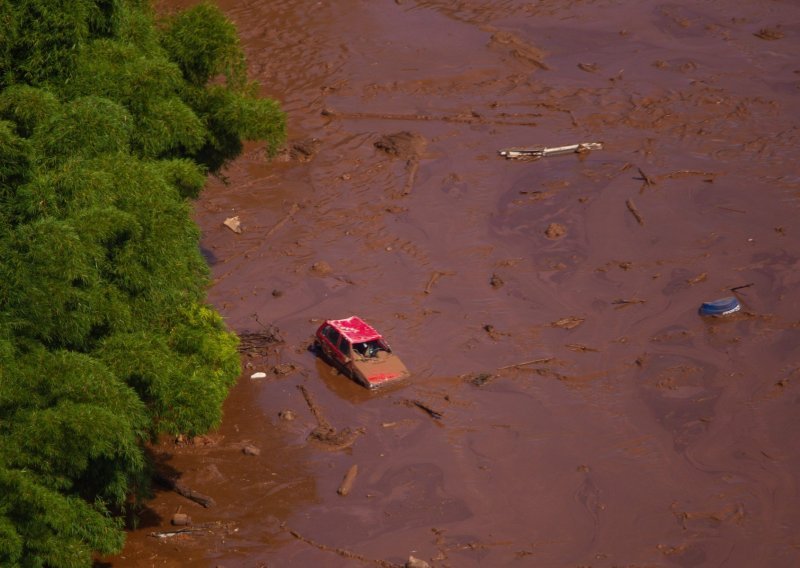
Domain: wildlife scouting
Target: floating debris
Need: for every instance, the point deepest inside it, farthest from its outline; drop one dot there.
(233, 223)
(721, 307)
(534, 153)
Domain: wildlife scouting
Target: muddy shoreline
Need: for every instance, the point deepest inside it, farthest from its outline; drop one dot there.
(547, 309)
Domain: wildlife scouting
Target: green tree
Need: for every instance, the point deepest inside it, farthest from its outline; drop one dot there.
(109, 123)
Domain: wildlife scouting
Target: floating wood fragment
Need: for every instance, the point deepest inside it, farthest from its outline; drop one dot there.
(292, 210)
(536, 152)
(702, 277)
(623, 303)
(735, 288)
(434, 279)
(732, 209)
(181, 489)
(580, 348)
(568, 322)
(682, 173)
(526, 363)
(648, 181)
(421, 405)
(344, 553)
(634, 211)
(169, 534)
(201, 528)
(347, 483)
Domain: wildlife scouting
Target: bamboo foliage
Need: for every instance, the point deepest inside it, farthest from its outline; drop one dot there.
(109, 123)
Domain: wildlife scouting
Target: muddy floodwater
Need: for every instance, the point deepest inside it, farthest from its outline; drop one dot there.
(568, 406)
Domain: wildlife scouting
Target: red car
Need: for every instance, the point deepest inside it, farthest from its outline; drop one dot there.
(359, 351)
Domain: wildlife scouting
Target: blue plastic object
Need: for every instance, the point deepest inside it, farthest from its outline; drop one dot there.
(721, 307)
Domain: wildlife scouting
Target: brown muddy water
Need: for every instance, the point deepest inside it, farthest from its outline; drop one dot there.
(548, 310)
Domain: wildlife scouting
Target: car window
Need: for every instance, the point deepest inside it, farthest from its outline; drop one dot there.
(332, 334)
(344, 347)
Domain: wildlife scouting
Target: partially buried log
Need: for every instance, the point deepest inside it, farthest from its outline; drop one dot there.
(347, 482)
(181, 489)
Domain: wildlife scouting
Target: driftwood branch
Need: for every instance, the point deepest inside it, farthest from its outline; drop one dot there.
(634, 211)
(434, 279)
(648, 181)
(315, 410)
(181, 489)
(344, 553)
(292, 210)
(525, 363)
(421, 405)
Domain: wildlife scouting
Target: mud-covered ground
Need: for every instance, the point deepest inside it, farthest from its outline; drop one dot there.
(583, 413)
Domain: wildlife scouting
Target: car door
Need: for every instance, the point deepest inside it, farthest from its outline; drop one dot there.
(332, 342)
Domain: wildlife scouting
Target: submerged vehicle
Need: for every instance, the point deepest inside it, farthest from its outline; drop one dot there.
(359, 351)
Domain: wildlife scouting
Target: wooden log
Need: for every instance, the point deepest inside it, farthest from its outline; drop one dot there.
(181, 489)
(347, 482)
(634, 211)
(315, 410)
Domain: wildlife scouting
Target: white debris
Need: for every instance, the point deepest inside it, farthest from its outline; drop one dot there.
(233, 224)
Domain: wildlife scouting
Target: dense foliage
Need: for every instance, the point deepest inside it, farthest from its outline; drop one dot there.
(109, 122)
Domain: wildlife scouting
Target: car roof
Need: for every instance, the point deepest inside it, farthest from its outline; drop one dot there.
(355, 329)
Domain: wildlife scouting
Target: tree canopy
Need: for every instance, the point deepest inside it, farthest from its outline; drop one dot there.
(110, 120)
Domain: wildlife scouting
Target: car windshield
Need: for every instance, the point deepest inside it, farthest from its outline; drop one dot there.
(370, 349)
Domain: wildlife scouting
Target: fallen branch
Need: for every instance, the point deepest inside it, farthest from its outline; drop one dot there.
(632, 208)
(680, 173)
(569, 322)
(197, 529)
(433, 279)
(622, 303)
(315, 410)
(344, 553)
(735, 288)
(526, 363)
(535, 153)
(733, 209)
(580, 348)
(421, 405)
(648, 181)
(184, 491)
(292, 210)
(169, 534)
